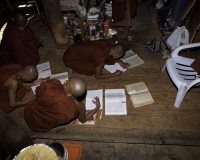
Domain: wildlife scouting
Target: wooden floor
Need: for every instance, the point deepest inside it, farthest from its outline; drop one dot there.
(156, 131)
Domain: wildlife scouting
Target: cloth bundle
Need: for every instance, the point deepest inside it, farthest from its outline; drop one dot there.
(157, 44)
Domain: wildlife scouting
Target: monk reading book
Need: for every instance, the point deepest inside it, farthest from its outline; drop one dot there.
(13, 86)
(89, 57)
(19, 44)
(56, 104)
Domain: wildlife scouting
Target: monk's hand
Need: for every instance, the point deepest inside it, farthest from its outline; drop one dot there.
(96, 102)
(123, 65)
(118, 73)
(38, 81)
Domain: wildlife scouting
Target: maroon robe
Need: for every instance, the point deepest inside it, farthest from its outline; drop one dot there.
(196, 64)
(50, 108)
(19, 46)
(119, 8)
(85, 56)
(5, 73)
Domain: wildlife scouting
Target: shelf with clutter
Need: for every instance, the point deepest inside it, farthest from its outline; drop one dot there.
(94, 26)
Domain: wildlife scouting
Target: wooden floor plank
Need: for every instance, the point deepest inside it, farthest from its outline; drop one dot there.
(157, 123)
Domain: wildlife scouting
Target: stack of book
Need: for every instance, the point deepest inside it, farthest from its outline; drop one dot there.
(93, 14)
(108, 9)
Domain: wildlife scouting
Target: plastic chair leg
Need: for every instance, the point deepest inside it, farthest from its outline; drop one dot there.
(180, 95)
(164, 67)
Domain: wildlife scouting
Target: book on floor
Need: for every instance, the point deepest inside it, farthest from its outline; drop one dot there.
(91, 94)
(92, 121)
(62, 77)
(130, 57)
(44, 70)
(139, 94)
(115, 102)
(113, 68)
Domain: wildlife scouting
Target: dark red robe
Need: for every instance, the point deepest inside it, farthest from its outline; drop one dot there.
(50, 108)
(5, 73)
(85, 56)
(19, 46)
(119, 8)
(196, 64)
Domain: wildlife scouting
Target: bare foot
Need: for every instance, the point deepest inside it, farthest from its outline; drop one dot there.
(70, 71)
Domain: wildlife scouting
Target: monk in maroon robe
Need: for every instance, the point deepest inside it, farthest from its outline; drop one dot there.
(56, 104)
(19, 44)
(196, 64)
(122, 12)
(89, 57)
(12, 86)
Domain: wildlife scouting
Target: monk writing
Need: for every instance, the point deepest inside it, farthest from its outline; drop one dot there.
(19, 44)
(13, 82)
(89, 57)
(56, 104)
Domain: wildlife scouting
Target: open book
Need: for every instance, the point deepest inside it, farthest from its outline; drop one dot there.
(92, 121)
(62, 77)
(115, 102)
(133, 59)
(139, 94)
(130, 57)
(44, 70)
(91, 94)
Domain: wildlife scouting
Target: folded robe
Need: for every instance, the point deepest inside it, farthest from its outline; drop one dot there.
(19, 46)
(50, 108)
(5, 73)
(196, 64)
(84, 57)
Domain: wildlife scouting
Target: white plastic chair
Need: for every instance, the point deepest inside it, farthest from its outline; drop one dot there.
(181, 73)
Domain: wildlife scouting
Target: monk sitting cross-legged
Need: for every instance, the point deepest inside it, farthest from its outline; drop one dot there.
(13, 82)
(19, 44)
(89, 57)
(56, 104)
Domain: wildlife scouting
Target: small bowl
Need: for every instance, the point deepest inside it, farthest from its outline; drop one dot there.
(60, 150)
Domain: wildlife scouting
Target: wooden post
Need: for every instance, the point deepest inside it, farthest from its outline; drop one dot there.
(55, 18)
(82, 29)
(12, 137)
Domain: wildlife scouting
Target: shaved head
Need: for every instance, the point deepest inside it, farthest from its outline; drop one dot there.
(77, 87)
(30, 70)
(20, 19)
(120, 48)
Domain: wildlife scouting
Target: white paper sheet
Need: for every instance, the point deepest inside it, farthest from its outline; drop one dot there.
(114, 68)
(44, 70)
(91, 94)
(115, 102)
(62, 77)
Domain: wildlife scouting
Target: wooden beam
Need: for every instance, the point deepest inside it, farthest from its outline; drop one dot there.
(55, 18)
